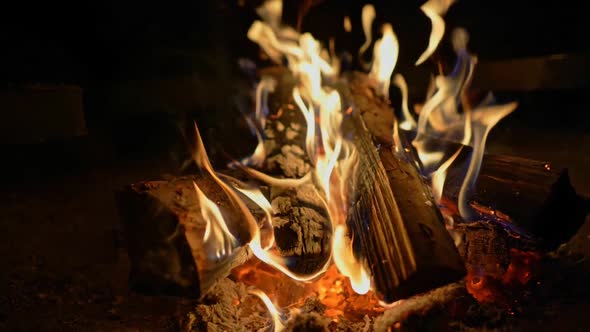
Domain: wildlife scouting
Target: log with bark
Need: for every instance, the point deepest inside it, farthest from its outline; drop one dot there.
(535, 197)
(400, 229)
(164, 233)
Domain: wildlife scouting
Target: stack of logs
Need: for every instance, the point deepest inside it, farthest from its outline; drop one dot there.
(399, 231)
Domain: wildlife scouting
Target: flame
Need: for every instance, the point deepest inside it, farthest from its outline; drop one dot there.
(266, 85)
(347, 264)
(218, 239)
(484, 119)
(347, 24)
(434, 9)
(202, 160)
(309, 116)
(271, 12)
(439, 176)
(408, 122)
(275, 314)
(385, 56)
(367, 18)
(257, 197)
(440, 116)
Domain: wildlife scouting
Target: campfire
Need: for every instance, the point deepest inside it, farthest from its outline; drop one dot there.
(350, 214)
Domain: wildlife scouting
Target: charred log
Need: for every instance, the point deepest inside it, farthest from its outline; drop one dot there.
(400, 229)
(164, 233)
(300, 220)
(534, 196)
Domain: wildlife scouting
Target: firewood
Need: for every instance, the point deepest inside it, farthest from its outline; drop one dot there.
(300, 220)
(399, 227)
(534, 196)
(164, 235)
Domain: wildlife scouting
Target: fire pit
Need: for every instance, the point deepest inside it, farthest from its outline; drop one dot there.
(350, 215)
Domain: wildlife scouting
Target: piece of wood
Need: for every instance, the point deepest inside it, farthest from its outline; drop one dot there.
(300, 220)
(164, 233)
(399, 227)
(534, 196)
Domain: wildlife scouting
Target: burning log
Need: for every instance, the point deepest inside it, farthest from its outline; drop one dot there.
(165, 237)
(532, 195)
(300, 220)
(399, 227)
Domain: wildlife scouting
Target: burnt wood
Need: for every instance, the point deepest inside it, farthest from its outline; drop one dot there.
(400, 229)
(534, 196)
(301, 224)
(164, 232)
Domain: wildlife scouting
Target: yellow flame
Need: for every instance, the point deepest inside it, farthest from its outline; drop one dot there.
(347, 24)
(484, 119)
(346, 262)
(408, 122)
(367, 18)
(333, 157)
(257, 197)
(385, 56)
(271, 11)
(275, 314)
(434, 9)
(218, 239)
(266, 37)
(202, 160)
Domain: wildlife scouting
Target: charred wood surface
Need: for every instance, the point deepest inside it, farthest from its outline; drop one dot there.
(164, 234)
(301, 224)
(535, 196)
(401, 230)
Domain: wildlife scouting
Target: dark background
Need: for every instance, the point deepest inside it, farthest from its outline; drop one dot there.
(148, 69)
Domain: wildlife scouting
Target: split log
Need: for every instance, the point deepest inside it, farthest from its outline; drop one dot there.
(399, 227)
(164, 235)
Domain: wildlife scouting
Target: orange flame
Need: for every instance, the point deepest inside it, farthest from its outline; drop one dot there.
(347, 264)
